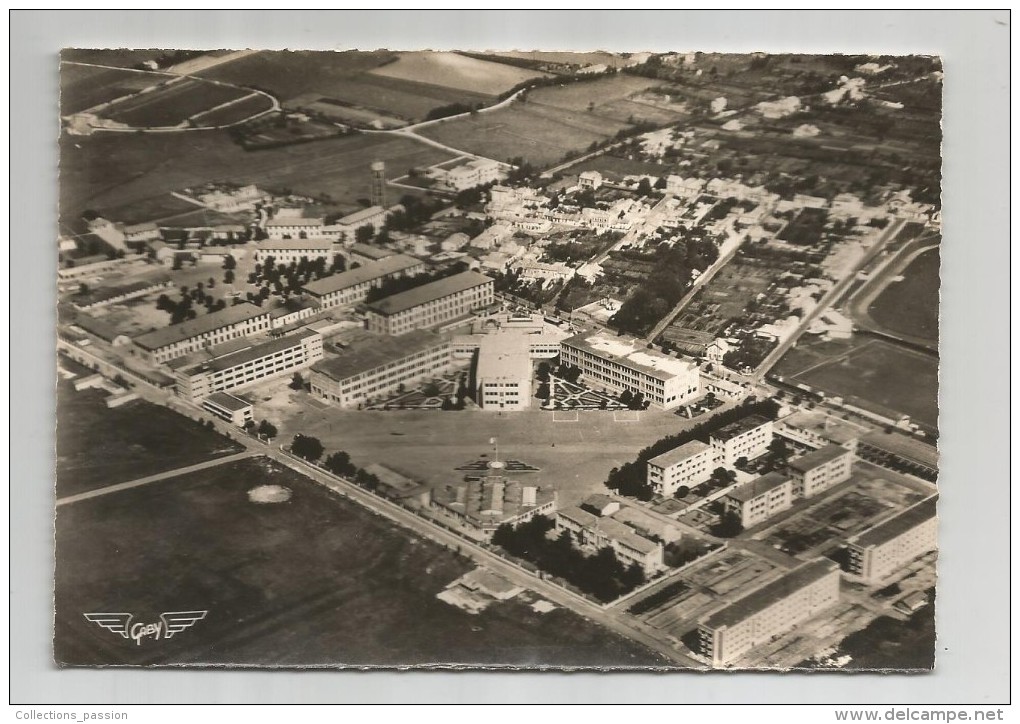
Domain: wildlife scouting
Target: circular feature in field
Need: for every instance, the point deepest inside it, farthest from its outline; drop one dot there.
(268, 494)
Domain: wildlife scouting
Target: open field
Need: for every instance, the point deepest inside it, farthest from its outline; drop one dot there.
(113, 170)
(870, 373)
(85, 86)
(911, 306)
(357, 592)
(97, 446)
(172, 104)
(554, 121)
(241, 109)
(456, 71)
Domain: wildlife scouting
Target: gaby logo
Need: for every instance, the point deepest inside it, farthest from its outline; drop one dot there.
(170, 623)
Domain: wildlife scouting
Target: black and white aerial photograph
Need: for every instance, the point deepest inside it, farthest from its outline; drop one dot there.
(537, 359)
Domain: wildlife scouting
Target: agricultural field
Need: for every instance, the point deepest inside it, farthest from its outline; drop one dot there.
(97, 446)
(870, 373)
(911, 306)
(460, 72)
(107, 171)
(173, 104)
(553, 122)
(358, 592)
(85, 86)
(241, 109)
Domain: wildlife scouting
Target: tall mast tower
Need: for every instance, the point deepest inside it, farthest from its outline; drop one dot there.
(378, 184)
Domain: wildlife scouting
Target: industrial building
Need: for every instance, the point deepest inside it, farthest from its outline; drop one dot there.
(617, 363)
(770, 611)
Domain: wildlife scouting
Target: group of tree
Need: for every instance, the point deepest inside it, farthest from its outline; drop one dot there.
(601, 574)
(287, 279)
(452, 109)
(631, 478)
(634, 400)
(183, 309)
(264, 429)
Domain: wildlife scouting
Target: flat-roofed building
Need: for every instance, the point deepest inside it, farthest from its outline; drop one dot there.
(818, 428)
(285, 251)
(746, 438)
(760, 499)
(221, 370)
(206, 330)
(234, 410)
(432, 304)
(375, 367)
(494, 500)
(686, 466)
(594, 532)
(882, 549)
(770, 611)
(820, 469)
(503, 373)
(352, 286)
(619, 363)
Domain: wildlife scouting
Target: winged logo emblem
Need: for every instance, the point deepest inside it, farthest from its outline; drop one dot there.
(170, 624)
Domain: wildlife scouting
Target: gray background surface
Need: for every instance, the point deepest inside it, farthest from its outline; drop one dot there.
(973, 592)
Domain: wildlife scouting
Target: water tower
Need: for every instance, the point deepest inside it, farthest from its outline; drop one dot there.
(378, 184)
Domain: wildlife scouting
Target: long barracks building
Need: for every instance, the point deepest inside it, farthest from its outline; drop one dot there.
(618, 364)
(352, 286)
(228, 369)
(431, 305)
(206, 330)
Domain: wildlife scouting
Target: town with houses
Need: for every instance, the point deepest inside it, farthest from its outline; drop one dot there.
(611, 387)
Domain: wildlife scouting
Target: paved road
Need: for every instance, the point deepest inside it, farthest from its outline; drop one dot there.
(68, 500)
(833, 294)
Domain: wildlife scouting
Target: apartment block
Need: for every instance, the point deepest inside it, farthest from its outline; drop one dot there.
(686, 466)
(760, 499)
(820, 469)
(431, 305)
(881, 550)
(746, 438)
(771, 611)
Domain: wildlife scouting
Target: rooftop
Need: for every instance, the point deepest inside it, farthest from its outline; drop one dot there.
(771, 593)
(371, 252)
(364, 273)
(376, 351)
(294, 221)
(504, 355)
(613, 529)
(579, 516)
(897, 525)
(250, 353)
(822, 424)
(102, 294)
(296, 244)
(598, 501)
(735, 429)
(492, 500)
(361, 216)
(815, 458)
(631, 353)
(200, 325)
(679, 454)
(403, 301)
(758, 486)
(228, 402)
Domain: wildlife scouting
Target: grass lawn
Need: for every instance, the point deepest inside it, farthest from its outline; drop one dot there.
(112, 170)
(911, 306)
(315, 580)
(870, 373)
(97, 446)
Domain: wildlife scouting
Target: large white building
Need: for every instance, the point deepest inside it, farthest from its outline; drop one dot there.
(285, 226)
(770, 611)
(457, 176)
(352, 286)
(881, 550)
(746, 438)
(760, 499)
(619, 363)
(820, 469)
(686, 466)
(431, 305)
(376, 367)
(228, 369)
(206, 330)
(285, 251)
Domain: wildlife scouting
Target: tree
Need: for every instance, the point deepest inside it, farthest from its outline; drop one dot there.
(83, 289)
(729, 525)
(228, 277)
(267, 429)
(249, 425)
(308, 448)
(644, 187)
(682, 492)
(297, 382)
(364, 234)
(626, 397)
(339, 463)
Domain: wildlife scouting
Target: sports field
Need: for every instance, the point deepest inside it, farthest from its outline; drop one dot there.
(315, 580)
(110, 170)
(173, 104)
(85, 86)
(871, 373)
(911, 306)
(97, 446)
